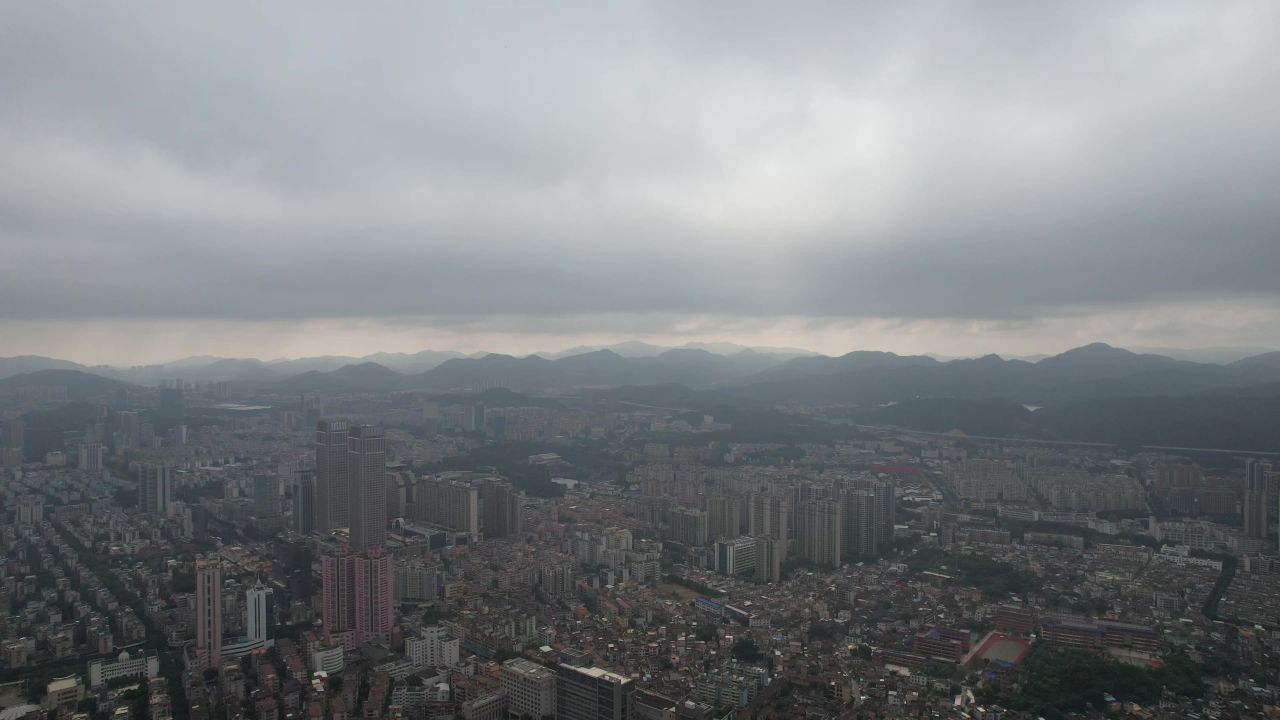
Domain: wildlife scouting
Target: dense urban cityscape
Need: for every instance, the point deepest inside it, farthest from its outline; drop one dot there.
(202, 550)
(657, 360)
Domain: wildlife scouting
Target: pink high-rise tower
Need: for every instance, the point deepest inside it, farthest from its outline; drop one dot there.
(374, 589)
(357, 581)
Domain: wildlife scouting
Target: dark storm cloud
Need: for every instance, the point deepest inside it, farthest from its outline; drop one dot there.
(994, 161)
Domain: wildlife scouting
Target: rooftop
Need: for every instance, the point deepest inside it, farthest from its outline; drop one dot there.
(599, 674)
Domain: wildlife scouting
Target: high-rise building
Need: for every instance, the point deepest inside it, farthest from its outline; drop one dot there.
(30, 509)
(886, 506)
(531, 689)
(357, 595)
(687, 526)
(374, 585)
(722, 517)
(417, 580)
(1255, 498)
(819, 532)
(401, 484)
(331, 476)
(859, 533)
(208, 611)
(450, 501)
(357, 582)
(367, 470)
(12, 433)
(736, 556)
(1273, 495)
(310, 407)
(172, 406)
(12, 442)
(304, 502)
(768, 559)
(260, 614)
(337, 611)
(500, 509)
(770, 516)
(266, 495)
(155, 489)
(128, 428)
(591, 693)
(90, 457)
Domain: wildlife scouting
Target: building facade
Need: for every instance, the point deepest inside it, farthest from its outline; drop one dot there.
(591, 693)
(531, 689)
(208, 624)
(155, 489)
(367, 491)
(331, 511)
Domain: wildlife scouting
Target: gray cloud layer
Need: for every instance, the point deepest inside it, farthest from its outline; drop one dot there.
(1002, 161)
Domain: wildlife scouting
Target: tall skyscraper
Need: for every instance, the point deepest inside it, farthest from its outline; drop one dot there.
(591, 693)
(500, 509)
(859, 532)
(266, 495)
(357, 595)
(722, 517)
(367, 469)
(304, 502)
(1255, 498)
(358, 583)
(12, 433)
(687, 526)
(128, 428)
(819, 532)
(260, 614)
(768, 559)
(1273, 495)
(886, 506)
(331, 476)
(770, 516)
(209, 611)
(155, 489)
(337, 611)
(374, 584)
(90, 457)
(172, 408)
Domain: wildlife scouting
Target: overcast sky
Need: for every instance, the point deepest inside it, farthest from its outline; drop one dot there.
(275, 179)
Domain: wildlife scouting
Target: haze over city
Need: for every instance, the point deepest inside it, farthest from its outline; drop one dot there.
(639, 361)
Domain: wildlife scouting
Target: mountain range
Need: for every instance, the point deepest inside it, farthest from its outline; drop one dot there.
(1091, 371)
(1095, 392)
(745, 376)
(698, 369)
(783, 363)
(208, 368)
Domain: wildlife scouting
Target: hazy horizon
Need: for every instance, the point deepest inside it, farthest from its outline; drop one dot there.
(258, 181)
(1214, 354)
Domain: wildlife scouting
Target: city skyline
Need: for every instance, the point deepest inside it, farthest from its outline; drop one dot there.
(656, 361)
